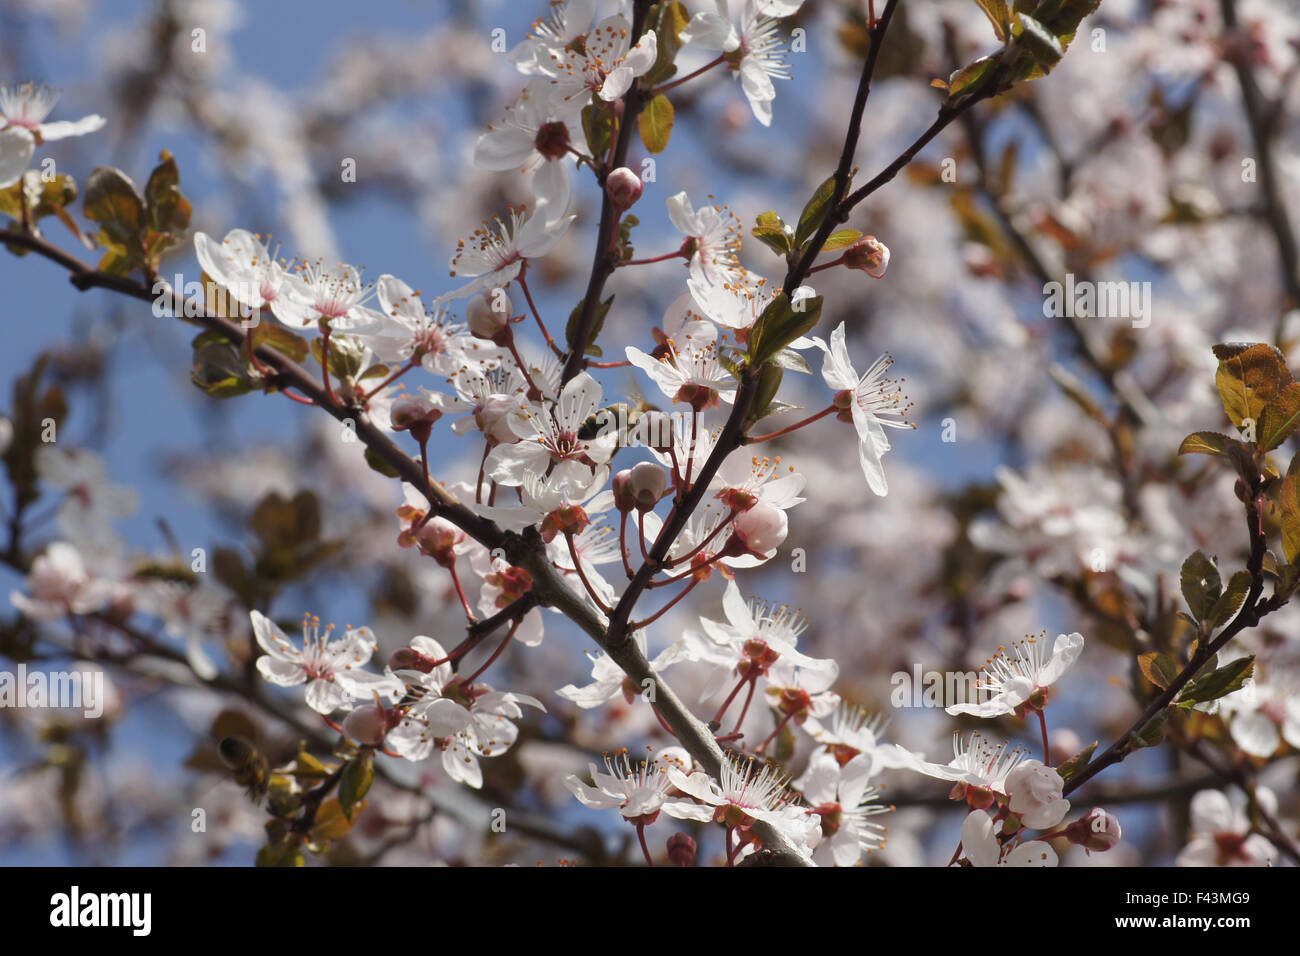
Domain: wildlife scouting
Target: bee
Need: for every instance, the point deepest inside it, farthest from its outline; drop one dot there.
(248, 764)
(622, 416)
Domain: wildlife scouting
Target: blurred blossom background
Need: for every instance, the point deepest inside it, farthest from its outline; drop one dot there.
(1040, 492)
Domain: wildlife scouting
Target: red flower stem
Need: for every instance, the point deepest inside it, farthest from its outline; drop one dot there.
(789, 428)
(495, 654)
(660, 613)
(523, 284)
(640, 835)
(582, 575)
(689, 76)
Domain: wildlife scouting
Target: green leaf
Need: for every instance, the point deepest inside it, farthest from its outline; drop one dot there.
(771, 230)
(1249, 378)
(1279, 418)
(780, 324)
(598, 128)
(999, 15)
(284, 341)
(1159, 668)
(1204, 443)
(1040, 42)
(380, 464)
(1289, 492)
(971, 76)
(1231, 599)
(1201, 584)
(1076, 763)
(1232, 676)
(357, 777)
(575, 318)
(169, 211)
(113, 201)
(1153, 731)
(671, 21)
(655, 123)
(789, 358)
(841, 239)
(769, 382)
(814, 211)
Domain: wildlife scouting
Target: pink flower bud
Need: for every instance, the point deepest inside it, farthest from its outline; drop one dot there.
(368, 724)
(488, 314)
(414, 413)
(681, 849)
(493, 419)
(1095, 830)
(647, 484)
(624, 188)
(762, 528)
(624, 496)
(868, 254)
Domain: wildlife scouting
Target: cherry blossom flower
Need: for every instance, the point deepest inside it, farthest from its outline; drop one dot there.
(872, 402)
(637, 792)
(976, 762)
(979, 841)
(412, 333)
(712, 239)
(16, 148)
(536, 135)
(567, 22)
(60, 585)
(333, 670)
(755, 636)
(1021, 675)
(605, 63)
(312, 294)
(464, 721)
(496, 251)
(243, 265)
(752, 48)
(24, 107)
(1262, 715)
(744, 795)
(1221, 833)
(841, 797)
(692, 375)
(746, 480)
(92, 502)
(609, 680)
(549, 440)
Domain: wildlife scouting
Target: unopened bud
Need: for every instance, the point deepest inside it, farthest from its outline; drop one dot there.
(868, 254)
(488, 314)
(681, 849)
(624, 188)
(647, 484)
(624, 496)
(368, 725)
(1096, 830)
(762, 528)
(414, 413)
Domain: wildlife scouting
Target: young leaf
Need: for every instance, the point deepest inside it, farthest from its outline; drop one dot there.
(1204, 443)
(1231, 599)
(814, 211)
(1279, 418)
(1248, 379)
(771, 230)
(1076, 763)
(357, 777)
(999, 15)
(1290, 497)
(841, 239)
(656, 124)
(1219, 683)
(780, 324)
(1201, 584)
(1159, 668)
